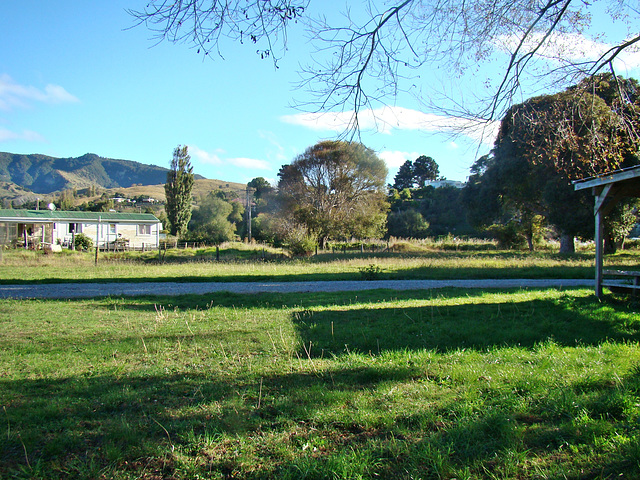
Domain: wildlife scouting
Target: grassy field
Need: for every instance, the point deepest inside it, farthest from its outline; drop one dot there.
(539, 384)
(240, 263)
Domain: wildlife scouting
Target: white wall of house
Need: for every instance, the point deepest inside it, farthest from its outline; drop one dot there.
(140, 235)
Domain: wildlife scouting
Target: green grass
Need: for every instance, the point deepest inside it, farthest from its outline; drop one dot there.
(522, 384)
(241, 264)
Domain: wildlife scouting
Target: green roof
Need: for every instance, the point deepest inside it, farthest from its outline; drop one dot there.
(78, 217)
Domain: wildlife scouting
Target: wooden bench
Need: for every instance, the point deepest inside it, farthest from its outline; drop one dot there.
(621, 280)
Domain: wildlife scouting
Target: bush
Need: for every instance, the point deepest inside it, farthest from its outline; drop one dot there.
(82, 242)
(372, 272)
(508, 236)
(304, 245)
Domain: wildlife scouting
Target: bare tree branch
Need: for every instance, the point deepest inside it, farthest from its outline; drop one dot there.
(367, 59)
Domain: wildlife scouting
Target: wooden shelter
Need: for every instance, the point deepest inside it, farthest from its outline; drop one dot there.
(608, 190)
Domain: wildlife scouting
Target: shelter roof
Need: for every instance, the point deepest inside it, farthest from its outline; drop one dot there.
(627, 181)
(46, 216)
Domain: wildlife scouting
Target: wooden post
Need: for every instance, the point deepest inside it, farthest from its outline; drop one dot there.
(600, 195)
(599, 252)
(98, 238)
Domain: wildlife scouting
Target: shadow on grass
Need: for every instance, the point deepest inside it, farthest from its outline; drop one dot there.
(331, 324)
(239, 424)
(176, 426)
(568, 321)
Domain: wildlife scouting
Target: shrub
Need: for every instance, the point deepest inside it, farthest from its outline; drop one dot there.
(372, 272)
(304, 245)
(82, 242)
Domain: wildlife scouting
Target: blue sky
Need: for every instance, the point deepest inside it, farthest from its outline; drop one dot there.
(74, 79)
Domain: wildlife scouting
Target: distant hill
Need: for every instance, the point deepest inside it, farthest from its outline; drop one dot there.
(201, 188)
(44, 175)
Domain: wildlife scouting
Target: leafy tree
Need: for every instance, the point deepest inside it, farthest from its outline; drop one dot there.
(371, 52)
(441, 209)
(210, 222)
(261, 186)
(404, 177)
(424, 170)
(178, 191)
(416, 173)
(335, 189)
(407, 224)
(66, 200)
(542, 145)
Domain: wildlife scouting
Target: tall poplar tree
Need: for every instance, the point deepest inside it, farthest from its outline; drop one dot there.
(178, 191)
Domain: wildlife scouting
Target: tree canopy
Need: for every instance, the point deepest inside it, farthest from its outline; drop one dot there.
(335, 189)
(214, 220)
(543, 144)
(416, 173)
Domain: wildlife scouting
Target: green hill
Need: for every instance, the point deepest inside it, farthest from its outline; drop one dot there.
(43, 174)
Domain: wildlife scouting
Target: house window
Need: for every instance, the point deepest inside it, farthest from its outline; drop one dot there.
(112, 229)
(144, 229)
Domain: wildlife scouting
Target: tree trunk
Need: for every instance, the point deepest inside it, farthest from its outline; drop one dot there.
(529, 237)
(609, 244)
(567, 244)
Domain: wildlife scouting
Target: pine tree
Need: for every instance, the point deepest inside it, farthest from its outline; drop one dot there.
(404, 177)
(178, 191)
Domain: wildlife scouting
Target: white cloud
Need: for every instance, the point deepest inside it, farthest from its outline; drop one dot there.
(205, 157)
(215, 158)
(14, 95)
(573, 47)
(386, 119)
(26, 135)
(394, 158)
(249, 163)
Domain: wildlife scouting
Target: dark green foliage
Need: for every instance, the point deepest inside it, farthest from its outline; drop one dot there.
(404, 177)
(542, 145)
(178, 191)
(416, 173)
(428, 211)
(82, 242)
(407, 223)
(425, 169)
(215, 219)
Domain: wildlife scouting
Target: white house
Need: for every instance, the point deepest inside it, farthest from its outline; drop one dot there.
(107, 229)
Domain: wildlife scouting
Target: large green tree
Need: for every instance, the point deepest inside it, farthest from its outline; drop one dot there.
(425, 169)
(336, 189)
(215, 219)
(404, 177)
(543, 145)
(416, 173)
(178, 191)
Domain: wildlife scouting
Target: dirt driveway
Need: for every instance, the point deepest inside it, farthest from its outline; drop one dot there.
(89, 290)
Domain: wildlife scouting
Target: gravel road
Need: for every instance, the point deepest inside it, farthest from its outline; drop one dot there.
(89, 290)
